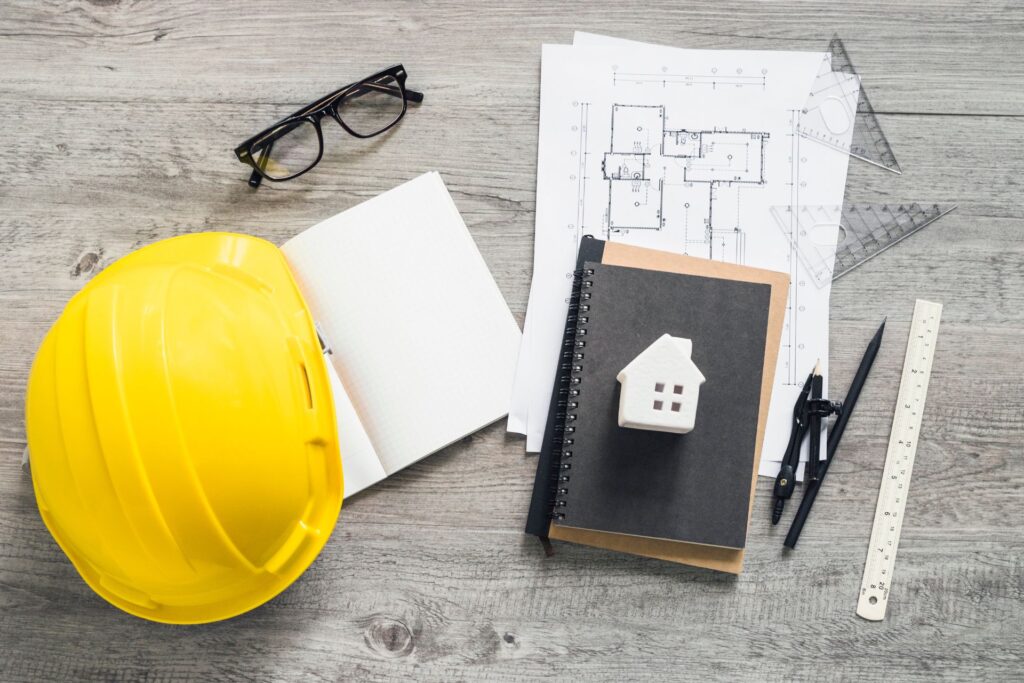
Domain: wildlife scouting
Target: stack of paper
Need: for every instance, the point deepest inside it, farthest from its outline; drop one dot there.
(690, 151)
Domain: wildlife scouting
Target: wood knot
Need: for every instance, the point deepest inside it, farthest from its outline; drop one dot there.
(86, 263)
(389, 637)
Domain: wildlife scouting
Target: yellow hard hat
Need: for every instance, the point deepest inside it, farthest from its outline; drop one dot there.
(181, 430)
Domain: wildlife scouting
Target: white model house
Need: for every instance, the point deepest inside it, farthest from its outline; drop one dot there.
(660, 388)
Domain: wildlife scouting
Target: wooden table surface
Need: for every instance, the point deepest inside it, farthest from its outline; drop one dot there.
(118, 122)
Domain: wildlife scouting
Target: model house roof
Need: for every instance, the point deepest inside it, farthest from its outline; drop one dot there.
(668, 352)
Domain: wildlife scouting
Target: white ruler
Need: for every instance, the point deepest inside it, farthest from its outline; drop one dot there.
(899, 462)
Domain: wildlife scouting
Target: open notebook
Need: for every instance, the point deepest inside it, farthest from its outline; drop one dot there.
(423, 346)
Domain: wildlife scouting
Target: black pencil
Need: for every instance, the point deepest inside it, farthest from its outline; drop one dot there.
(814, 428)
(833, 438)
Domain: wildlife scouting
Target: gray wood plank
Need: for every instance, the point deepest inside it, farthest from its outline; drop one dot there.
(941, 57)
(118, 121)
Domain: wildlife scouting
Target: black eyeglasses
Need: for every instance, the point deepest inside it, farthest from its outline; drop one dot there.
(295, 144)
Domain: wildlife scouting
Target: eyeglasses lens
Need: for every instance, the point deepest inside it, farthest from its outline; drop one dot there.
(288, 151)
(372, 106)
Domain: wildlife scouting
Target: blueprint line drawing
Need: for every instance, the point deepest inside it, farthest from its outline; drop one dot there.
(687, 181)
(712, 79)
(791, 346)
(658, 176)
(581, 170)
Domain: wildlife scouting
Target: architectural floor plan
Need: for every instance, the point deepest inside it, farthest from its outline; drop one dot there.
(658, 175)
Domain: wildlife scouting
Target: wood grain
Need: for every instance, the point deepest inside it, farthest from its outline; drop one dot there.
(118, 122)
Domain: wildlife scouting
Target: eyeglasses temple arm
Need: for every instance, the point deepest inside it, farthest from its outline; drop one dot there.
(411, 95)
(255, 178)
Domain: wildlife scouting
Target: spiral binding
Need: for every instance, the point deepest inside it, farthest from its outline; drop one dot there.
(570, 372)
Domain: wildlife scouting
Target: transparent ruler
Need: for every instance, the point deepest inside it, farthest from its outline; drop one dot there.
(862, 232)
(899, 462)
(837, 101)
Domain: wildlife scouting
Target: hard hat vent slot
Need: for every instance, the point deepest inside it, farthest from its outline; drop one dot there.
(305, 385)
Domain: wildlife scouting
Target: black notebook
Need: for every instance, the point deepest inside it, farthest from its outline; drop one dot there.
(693, 487)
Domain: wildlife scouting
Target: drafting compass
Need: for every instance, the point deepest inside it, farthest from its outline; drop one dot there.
(808, 413)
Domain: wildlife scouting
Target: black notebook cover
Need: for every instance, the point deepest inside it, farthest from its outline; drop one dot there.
(545, 481)
(686, 487)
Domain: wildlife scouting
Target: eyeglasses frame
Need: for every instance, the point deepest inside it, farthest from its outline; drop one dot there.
(313, 113)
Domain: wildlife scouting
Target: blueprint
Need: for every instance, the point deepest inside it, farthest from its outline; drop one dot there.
(681, 181)
(682, 150)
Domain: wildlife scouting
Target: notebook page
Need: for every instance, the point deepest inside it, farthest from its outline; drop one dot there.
(423, 341)
(360, 464)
